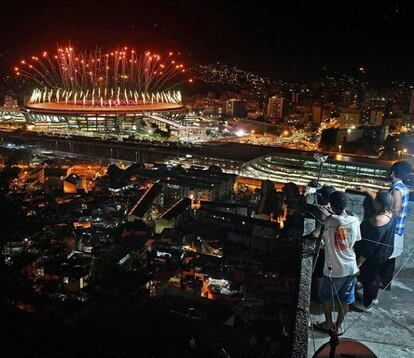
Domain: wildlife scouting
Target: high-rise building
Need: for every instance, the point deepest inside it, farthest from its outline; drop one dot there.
(326, 113)
(411, 109)
(316, 114)
(366, 110)
(376, 117)
(350, 117)
(295, 98)
(235, 107)
(276, 108)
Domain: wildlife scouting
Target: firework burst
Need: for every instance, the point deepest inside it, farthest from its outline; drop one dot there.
(119, 77)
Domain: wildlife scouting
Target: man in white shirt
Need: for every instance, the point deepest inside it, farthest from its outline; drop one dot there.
(341, 231)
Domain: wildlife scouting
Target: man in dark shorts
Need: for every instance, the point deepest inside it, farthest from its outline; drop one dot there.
(341, 231)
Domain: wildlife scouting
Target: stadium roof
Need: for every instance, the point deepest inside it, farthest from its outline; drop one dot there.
(63, 108)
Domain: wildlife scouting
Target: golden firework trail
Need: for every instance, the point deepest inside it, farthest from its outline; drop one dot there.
(120, 77)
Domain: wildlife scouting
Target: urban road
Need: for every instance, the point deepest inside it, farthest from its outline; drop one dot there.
(231, 157)
(139, 152)
(227, 154)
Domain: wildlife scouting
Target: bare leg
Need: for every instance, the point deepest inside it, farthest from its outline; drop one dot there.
(327, 310)
(341, 315)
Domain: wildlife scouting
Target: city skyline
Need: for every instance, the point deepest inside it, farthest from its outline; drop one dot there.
(206, 179)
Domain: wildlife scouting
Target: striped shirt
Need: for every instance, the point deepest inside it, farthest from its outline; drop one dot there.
(402, 217)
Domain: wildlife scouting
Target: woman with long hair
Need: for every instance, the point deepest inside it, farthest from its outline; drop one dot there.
(376, 246)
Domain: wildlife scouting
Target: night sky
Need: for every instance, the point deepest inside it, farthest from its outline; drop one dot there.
(285, 39)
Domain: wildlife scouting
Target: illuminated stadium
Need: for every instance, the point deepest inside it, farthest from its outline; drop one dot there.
(120, 118)
(117, 92)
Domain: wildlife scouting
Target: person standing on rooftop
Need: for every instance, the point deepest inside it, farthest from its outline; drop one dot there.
(376, 246)
(341, 232)
(397, 173)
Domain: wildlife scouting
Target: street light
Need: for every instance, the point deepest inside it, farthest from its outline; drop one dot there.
(339, 147)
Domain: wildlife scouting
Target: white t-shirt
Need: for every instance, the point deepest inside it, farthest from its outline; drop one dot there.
(341, 233)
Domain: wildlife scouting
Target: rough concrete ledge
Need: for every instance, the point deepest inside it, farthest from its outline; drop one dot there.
(299, 340)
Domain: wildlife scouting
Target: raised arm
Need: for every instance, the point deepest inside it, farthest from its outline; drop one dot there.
(372, 193)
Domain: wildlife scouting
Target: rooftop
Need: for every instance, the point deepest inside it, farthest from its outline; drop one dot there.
(145, 201)
(247, 152)
(176, 209)
(382, 330)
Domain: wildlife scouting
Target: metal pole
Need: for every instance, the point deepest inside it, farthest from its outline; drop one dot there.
(319, 174)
